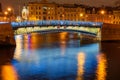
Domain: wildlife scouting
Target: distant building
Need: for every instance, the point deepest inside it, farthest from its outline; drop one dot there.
(6, 17)
(116, 15)
(45, 10)
(99, 15)
(25, 13)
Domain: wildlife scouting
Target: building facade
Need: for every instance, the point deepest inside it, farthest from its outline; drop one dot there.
(99, 15)
(116, 15)
(44, 10)
(51, 11)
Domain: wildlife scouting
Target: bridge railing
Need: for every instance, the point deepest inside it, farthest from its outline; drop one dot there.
(56, 23)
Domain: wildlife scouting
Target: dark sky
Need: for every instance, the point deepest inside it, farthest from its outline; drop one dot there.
(15, 3)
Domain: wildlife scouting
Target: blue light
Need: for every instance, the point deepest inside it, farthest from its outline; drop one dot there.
(56, 23)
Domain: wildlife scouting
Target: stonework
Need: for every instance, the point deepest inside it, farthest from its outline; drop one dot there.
(110, 32)
(6, 34)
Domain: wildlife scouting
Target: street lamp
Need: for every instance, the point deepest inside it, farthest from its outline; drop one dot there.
(9, 9)
(6, 13)
(81, 14)
(10, 13)
(102, 12)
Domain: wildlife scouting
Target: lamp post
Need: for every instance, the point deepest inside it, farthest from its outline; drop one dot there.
(81, 16)
(9, 9)
(102, 12)
(10, 13)
(6, 15)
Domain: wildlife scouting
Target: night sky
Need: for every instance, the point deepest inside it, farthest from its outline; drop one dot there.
(15, 3)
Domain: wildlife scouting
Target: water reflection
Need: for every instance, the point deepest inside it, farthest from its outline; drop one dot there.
(63, 36)
(7, 71)
(112, 52)
(56, 56)
(52, 57)
(81, 62)
(101, 67)
(19, 47)
(59, 56)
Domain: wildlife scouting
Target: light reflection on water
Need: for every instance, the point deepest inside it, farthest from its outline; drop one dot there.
(81, 61)
(57, 57)
(101, 68)
(8, 72)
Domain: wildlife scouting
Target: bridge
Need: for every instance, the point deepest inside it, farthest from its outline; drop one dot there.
(90, 30)
(87, 28)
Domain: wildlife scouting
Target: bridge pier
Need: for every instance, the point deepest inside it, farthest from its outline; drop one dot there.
(110, 32)
(6, 35)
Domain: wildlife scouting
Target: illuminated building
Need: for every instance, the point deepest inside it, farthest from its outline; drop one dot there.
(116, 16)
(45, 10)
(99, 15)
(25, 13)
(8, 15)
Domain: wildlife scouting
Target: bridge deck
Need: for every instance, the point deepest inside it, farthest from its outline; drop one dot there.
(56, 23)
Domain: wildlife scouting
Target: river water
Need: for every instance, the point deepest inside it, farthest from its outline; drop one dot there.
(59, 56)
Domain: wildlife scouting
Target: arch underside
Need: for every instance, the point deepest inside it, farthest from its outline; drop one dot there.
(33, 30)
(62, 30)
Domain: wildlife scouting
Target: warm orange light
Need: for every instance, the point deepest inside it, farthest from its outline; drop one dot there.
(81, 14)
(110, 16)
(5, 18)
(63, 35)
(102, 12)
(101, 68)
(8, 73)
(63, 15)
(81, 62)
(9, 9)
(6, 13)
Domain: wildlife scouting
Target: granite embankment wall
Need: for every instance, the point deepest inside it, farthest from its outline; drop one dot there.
(110, 32)
(6, 34)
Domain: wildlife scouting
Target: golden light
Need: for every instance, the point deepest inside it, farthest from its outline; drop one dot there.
(8, 72)
(81, 14)
(9, 9)
(86, 16)
(63, 15)
(102, 12)
(101, 68)
(81, 61)
(6, 13)
(49, 12)
(110, 16)
(5, 18)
